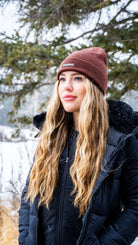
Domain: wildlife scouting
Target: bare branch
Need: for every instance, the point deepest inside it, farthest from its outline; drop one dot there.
(121, 10)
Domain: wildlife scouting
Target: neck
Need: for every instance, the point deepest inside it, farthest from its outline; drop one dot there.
(75, 119)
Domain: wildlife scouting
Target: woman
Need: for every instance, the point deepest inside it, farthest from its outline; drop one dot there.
(82, 188)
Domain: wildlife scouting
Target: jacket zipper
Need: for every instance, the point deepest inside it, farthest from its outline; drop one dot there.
(59, 229)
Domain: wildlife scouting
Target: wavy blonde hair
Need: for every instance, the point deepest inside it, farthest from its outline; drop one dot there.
(91, 144)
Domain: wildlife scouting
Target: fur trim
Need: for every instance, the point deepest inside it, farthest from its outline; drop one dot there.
(121, 116)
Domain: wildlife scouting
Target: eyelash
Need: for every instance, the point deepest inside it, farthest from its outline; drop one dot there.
(78, 78)
(62, 79)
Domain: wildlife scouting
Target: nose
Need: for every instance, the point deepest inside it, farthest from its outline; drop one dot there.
(68, 84)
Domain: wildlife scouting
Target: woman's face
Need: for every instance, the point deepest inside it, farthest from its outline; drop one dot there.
(72, 90)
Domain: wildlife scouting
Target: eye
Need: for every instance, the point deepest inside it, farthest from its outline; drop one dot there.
(78, 78)
(62, 79)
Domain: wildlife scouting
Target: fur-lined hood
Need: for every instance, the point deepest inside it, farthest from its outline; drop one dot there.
(121, 116)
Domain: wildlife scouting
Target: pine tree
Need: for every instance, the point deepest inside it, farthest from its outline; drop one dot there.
(27, 65)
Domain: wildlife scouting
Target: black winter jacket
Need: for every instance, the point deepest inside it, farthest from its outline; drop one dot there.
(112, 215)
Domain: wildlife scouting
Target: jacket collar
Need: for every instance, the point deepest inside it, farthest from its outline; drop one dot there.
(121, 117)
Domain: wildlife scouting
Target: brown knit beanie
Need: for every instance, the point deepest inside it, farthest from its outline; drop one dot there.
(91, 62)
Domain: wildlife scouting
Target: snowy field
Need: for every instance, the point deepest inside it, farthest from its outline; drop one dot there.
(135, 243)
(16, 157)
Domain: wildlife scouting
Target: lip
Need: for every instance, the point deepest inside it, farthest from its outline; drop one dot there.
(69, 97)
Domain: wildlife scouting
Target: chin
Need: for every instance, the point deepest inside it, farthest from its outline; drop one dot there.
(71, 110)
(68, 110)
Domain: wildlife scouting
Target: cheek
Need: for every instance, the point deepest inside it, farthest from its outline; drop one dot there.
(83, 92)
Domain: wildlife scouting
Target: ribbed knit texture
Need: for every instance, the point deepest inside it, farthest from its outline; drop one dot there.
(91, 62)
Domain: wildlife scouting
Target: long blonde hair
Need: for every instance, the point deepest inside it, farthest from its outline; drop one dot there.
(91, 144)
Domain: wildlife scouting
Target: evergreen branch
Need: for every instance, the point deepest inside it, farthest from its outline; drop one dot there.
(103, 27)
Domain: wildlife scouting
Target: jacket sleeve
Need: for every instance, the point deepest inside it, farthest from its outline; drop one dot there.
(124, 229)
(24, 213)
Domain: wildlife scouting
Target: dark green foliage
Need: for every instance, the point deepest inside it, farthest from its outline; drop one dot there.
(25, 65)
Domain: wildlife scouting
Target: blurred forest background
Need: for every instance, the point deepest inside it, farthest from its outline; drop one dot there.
(47, 31)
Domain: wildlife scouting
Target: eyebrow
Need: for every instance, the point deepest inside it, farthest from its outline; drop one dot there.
(73, 74)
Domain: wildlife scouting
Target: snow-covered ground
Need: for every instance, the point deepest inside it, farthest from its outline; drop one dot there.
(135, 243)
(16, 157)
